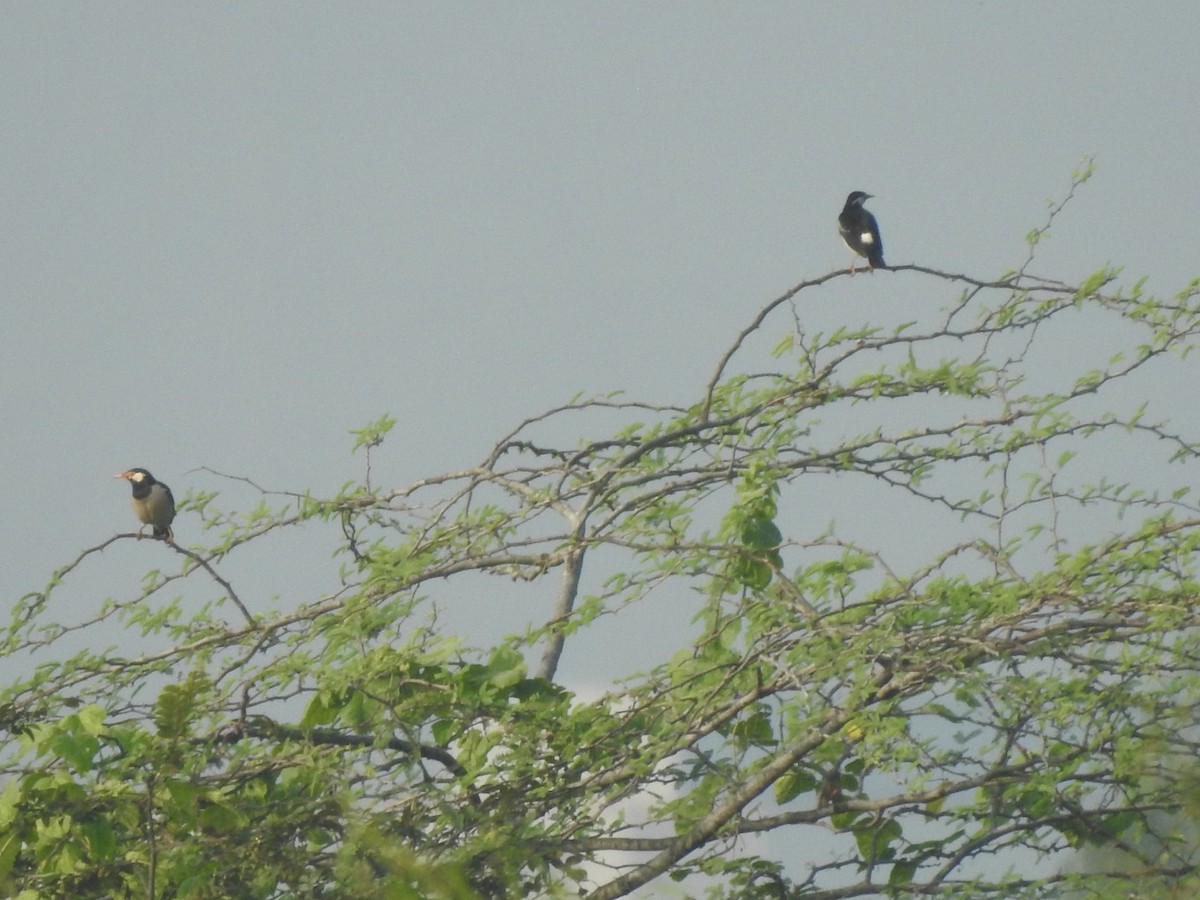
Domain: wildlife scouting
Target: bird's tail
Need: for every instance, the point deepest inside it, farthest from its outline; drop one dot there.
(164, 533)
(875, 260)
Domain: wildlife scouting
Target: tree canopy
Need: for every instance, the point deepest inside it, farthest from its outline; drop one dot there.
(924, 593)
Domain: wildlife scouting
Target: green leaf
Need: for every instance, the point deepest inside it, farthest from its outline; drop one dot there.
(10, 846)
(322, 709)
(372, 435)
(792, 784)
(221, 817)
(761, 534)
(10, 798)
(755, 729)
(176, 706)
(902, 873)
(102, 842)
(875, 839)
(443, 731)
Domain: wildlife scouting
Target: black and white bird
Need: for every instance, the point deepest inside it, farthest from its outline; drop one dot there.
(153, 504)
(860, 231)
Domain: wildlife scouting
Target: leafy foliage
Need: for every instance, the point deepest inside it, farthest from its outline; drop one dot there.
(841, 718)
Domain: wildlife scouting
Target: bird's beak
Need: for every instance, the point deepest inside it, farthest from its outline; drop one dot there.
(122, 475)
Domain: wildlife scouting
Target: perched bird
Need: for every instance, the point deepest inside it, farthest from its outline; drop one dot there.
(153, 504)
(860, 231)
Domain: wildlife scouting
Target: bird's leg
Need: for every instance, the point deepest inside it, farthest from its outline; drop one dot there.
(140, 530)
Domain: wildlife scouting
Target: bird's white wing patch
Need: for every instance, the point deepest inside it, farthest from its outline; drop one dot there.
(867, 238)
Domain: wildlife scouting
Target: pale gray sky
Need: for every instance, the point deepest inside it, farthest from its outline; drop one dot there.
(234, 232)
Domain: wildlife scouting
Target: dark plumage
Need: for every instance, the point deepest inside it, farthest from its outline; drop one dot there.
(152, 503)
(860, 231)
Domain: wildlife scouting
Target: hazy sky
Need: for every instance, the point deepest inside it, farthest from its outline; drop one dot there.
(234, 232)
